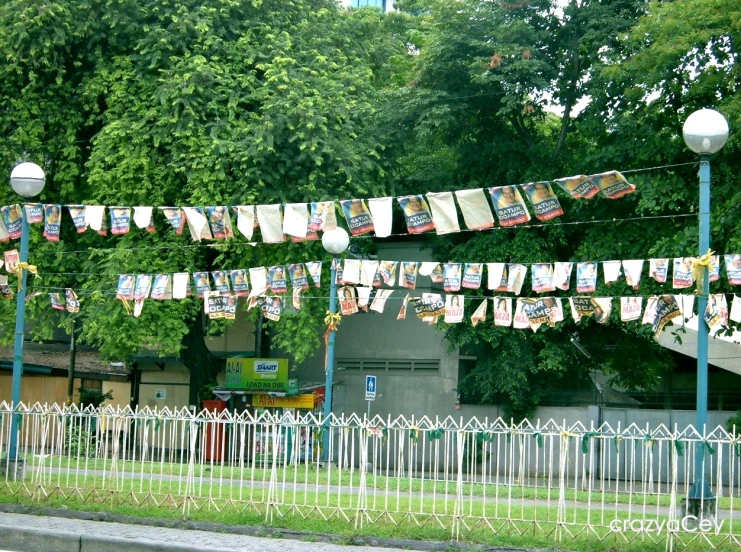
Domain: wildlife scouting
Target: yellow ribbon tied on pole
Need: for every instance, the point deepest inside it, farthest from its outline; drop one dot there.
(332, 320)
(20, 267)
(698, 269)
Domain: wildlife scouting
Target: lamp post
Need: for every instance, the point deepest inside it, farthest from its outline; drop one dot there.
(705, 132)
(27, 180)
(335, 242)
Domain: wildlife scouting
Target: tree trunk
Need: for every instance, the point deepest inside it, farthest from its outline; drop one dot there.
(198, 359)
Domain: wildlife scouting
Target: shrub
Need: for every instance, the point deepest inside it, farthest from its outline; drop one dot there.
(79, 442)
(734, 421)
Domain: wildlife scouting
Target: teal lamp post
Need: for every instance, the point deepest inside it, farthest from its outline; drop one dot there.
(27, 180)
(335, 242)
(705, 132)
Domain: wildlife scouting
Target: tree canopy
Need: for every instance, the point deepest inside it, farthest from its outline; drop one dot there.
(479, 112)
(223, 102)
(228, 102)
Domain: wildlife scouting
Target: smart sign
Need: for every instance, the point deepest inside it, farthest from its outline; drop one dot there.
(257, 374)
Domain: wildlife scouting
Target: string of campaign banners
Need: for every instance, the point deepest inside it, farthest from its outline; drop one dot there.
(302, 221)
(500, 277)
(528, 313)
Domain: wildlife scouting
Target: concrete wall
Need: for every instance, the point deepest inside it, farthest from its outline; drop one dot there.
(237, 337)
(381, 336)
(173, 381)
(121, 391)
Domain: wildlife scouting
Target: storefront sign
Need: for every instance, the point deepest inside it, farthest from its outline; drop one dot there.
(257, 374)
(303, 402)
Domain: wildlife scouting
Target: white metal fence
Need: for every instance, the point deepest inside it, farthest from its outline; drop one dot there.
(463, 476)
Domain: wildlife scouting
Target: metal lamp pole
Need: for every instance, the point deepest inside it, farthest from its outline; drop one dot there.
(336, 242)
(705, 132)
(27, 179)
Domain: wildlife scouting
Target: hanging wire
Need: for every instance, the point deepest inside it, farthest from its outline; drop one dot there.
(401, 296)
(227, 271)
(231, 243)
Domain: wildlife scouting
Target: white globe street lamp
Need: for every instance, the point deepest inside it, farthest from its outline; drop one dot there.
(27, 179)
(335, 242)
(705, 132)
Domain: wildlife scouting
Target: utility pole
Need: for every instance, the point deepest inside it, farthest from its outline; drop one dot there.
(72, 355)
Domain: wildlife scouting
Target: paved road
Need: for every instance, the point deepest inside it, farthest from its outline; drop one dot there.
(27, 533)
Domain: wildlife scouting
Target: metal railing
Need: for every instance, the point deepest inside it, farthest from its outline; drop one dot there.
(549, 479)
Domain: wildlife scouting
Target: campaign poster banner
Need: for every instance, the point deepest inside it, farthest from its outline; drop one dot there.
(277, 282)
(13, 220)
(52, 222)
(323, 216)
(315, 271)
(202, 283)
(453, 309)
(658, 269)
(219, 222)
(77, 213)
(417, 214)
(682, 277)
(503, 311)
(35, 213)
(358, 216)
(714, 269)
(298, 277)
(72, 303)
(733, 269)
(667, 309)
(240, 283)
(520, 320)
(578, 187)
(175, 217)
(125, 289)
(143, 286)
(120, 220)
(452, 276)
(348, 302)
(387, 272)
(542, 275)
(472, 275)
(272, 308)
(429, 305)
(544, 201)
(161, 287)
(562, 275)
(586, 277)
(612, 184)
(509, 205)
(409, 273)
(221, 282)
(716, 311)
(543, 310)
(57, 303)
(630, 308)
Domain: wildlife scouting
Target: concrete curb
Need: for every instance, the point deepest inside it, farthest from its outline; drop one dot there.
(34, 540)
(39, 540)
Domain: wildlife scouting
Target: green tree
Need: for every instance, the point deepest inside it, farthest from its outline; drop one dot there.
(476, 114)
(152, 102)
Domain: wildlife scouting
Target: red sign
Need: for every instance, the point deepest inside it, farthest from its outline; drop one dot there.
(319, 394)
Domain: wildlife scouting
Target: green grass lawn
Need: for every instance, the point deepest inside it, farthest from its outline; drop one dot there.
(310, 475)
(395, 515)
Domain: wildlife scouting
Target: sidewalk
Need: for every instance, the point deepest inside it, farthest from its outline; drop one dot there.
(42, 533)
